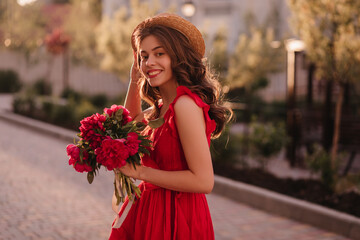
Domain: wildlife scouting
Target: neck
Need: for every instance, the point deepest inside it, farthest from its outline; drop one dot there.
(168, 94)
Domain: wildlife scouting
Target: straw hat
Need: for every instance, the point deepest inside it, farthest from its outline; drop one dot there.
(178, 23)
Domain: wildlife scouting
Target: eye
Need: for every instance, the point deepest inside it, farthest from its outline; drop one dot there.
(159, 54)
(143, 57)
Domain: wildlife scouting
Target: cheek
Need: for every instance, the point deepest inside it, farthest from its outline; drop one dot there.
(168, 64)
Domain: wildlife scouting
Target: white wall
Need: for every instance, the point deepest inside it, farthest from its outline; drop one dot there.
(85, 80)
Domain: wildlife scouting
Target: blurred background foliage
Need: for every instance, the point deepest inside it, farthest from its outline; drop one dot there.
(27, 35)
(114, 34)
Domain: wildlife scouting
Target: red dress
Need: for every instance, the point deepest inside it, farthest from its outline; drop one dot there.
(161, 213)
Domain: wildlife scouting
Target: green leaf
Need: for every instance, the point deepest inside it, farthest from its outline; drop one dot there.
(156, 123)
(144, 150)
(141, 137)
(129, 124)
(81, 155)
(90, 177)
(118, 114)
(140, 125)
(98, 131)
(146, 142)
(136, 158)
(134, 165)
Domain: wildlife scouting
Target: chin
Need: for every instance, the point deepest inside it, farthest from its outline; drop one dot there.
(153, 83)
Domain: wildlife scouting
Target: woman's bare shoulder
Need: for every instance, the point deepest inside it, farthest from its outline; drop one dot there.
(187, 107)
(186, 103)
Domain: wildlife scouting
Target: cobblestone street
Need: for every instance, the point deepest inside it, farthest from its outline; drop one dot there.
(42, 198)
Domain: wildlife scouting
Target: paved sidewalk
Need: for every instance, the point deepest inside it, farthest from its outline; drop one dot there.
(43, 198)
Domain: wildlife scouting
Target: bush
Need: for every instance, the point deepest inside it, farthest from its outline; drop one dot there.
(70, 93)
(9, 81)
(42, 87)
(226, 149)
(99, 100)
(63, 112)
(48, 108)
(265, 140)
(24, 104)
(350, 182)
(319, 161)
(275, 110)
(64, 115)
(84, 109)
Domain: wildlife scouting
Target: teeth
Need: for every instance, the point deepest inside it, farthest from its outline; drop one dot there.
(153, 73)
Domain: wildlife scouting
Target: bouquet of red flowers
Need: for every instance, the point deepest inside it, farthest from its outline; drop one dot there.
(110, 139)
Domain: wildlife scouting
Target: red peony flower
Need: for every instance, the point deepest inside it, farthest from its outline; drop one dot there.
(110, 111)
(82, 167)
(132, 142)
(111, 140)
(92, 129)
(73, 152)
(112, 153)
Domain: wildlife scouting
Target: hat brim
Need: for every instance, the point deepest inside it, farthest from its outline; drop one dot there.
(178, 23)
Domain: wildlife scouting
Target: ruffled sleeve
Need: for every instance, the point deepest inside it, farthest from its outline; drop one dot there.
(210, 123)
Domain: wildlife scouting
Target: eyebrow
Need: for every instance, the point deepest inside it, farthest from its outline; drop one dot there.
(152, 49)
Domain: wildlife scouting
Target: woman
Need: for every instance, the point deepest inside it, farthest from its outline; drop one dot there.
(184, 99)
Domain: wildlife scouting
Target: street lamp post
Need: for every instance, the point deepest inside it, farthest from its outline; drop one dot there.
(293, 47)
(188, 9)
(25, 2)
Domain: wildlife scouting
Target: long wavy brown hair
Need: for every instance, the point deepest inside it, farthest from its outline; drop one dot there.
(189, 70)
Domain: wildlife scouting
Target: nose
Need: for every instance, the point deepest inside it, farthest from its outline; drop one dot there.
(150, 61)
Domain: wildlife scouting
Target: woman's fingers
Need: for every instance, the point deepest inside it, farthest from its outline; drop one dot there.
(135, 73)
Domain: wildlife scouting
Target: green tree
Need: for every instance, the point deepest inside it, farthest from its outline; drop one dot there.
(113, 37)
(219, 58)
(22, 28)
(331, 32)
(258, 51)
(253, 59)
(82, 20)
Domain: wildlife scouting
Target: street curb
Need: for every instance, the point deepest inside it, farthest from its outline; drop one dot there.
(39, 126)
(299, 210)
(272, 202)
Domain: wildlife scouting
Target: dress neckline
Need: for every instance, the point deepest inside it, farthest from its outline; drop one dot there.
(167, 112)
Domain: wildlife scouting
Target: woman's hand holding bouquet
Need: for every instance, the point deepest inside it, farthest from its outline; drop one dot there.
(111, 140)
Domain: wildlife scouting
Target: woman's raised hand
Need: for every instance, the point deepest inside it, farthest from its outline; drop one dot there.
(135, 73)
(133, 100)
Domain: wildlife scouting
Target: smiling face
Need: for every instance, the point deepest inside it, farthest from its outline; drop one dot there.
(155, 63)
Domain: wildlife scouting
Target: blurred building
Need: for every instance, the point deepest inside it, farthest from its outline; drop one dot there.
(234, 15)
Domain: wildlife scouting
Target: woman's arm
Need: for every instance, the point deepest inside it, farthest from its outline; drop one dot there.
(133, 100)
(191, 128)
